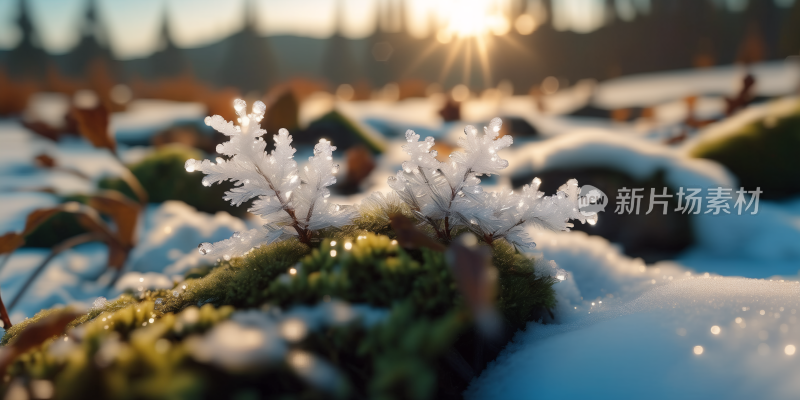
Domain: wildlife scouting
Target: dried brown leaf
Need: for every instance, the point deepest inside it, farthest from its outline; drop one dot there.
(45, 161)
(93, 125)
(10, 242)
(451, 111)
(410, 237)
(360, 164)
(39, 216)
(122, 211)
(476, 279)
(35, 334)
(472, 270)
(117, 250)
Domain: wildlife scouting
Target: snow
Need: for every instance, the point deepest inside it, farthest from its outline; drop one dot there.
(144, 117)
(260, 338)
(70, 278)
(17, 206)
(771, 110)
(623, 329)
(593, 147)
(49, 108)
(172, 231)
(169, 235)
(775, 78)
(772, 234)
(626, 330)
(645, 348)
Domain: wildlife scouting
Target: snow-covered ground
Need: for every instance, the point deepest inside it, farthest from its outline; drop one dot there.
(718, 321)
(665, 331)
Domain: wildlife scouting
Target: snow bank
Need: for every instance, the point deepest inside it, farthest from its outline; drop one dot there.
(143, 118)
(733, 125)
(772, 234)
(70, 278)
(169, 235)
(17, 206)
(593, 147)
(701, 337)
(629, 331)
(172, 231)
(774, 78)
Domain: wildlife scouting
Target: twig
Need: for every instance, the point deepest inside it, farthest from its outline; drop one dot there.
(69, 243)
(132, 181)
(4, 314)
(5, 260)
(303, 234)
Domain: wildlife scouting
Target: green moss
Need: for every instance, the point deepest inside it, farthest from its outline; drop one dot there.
(374, 272)
(57, 228)
(761, 154)
(341, 131)
(164, 177)
(522, 293)
(401, 357)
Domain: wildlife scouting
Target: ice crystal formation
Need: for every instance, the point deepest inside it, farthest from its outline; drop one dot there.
(291, 200)
(447, 196)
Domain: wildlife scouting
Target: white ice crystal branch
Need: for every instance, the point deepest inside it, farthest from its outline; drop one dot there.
(291, 202)
(448, 195)
(445, 195)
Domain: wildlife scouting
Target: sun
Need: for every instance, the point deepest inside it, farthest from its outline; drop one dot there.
(471, 18)
(467, 30)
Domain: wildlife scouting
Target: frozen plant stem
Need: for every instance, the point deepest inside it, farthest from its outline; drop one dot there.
(303, 234)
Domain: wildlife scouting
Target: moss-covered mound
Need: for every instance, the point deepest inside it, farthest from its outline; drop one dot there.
(163, 176)
(340, 130)
(762, 153)
(234, 332)
(652, 237)
(57, 228)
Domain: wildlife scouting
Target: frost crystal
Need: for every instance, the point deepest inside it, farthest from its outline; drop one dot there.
(99, 303)
(448, 195)
(445, 195)
(290, 201)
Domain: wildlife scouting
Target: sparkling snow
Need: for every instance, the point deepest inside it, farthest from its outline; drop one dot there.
(698, 326)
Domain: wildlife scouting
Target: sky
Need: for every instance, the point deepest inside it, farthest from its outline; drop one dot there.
(134, 27)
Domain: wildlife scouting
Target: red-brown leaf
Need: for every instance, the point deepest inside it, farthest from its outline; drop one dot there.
(451, 111)
(93, 125)
(410, 237)
(360, 164)
(39, 216)
(35, 334)
(10, 242)
(117, 251)
(122, 211)
(45, 161)
(473, 273)
(476, 279)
